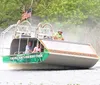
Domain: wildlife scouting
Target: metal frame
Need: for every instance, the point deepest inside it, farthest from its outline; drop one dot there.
(16, 28)
(40, 25)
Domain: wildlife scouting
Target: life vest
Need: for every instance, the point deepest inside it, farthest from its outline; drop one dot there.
(58, 35)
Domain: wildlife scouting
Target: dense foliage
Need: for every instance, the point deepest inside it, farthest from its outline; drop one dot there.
(69, 11)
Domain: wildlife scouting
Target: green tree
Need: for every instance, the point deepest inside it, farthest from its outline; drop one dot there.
(11, 10)
(68, 11)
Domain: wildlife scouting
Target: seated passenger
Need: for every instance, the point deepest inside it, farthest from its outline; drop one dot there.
(28, 48)
(36, 49)
(58, 36)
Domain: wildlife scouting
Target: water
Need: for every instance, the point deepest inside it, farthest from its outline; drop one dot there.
(53, 77)
(4, 51)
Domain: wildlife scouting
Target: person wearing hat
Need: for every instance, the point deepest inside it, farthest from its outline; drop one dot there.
(58, 35)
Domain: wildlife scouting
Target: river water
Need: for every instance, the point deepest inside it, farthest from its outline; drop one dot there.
(51, 77)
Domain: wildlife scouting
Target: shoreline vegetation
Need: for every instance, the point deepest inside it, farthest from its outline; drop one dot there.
(67, 11)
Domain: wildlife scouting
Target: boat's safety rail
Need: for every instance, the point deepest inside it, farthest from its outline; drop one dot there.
(44, 31)
(22, 31)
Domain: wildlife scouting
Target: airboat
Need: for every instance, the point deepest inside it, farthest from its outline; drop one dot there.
(54, 53)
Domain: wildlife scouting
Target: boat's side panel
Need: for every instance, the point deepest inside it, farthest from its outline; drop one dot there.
(15, 45)
(26, 58)
(20, 44)
(70, 60)
(69, 48)
(70, 54)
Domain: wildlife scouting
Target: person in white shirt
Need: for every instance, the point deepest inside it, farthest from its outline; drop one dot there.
(28, 48)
